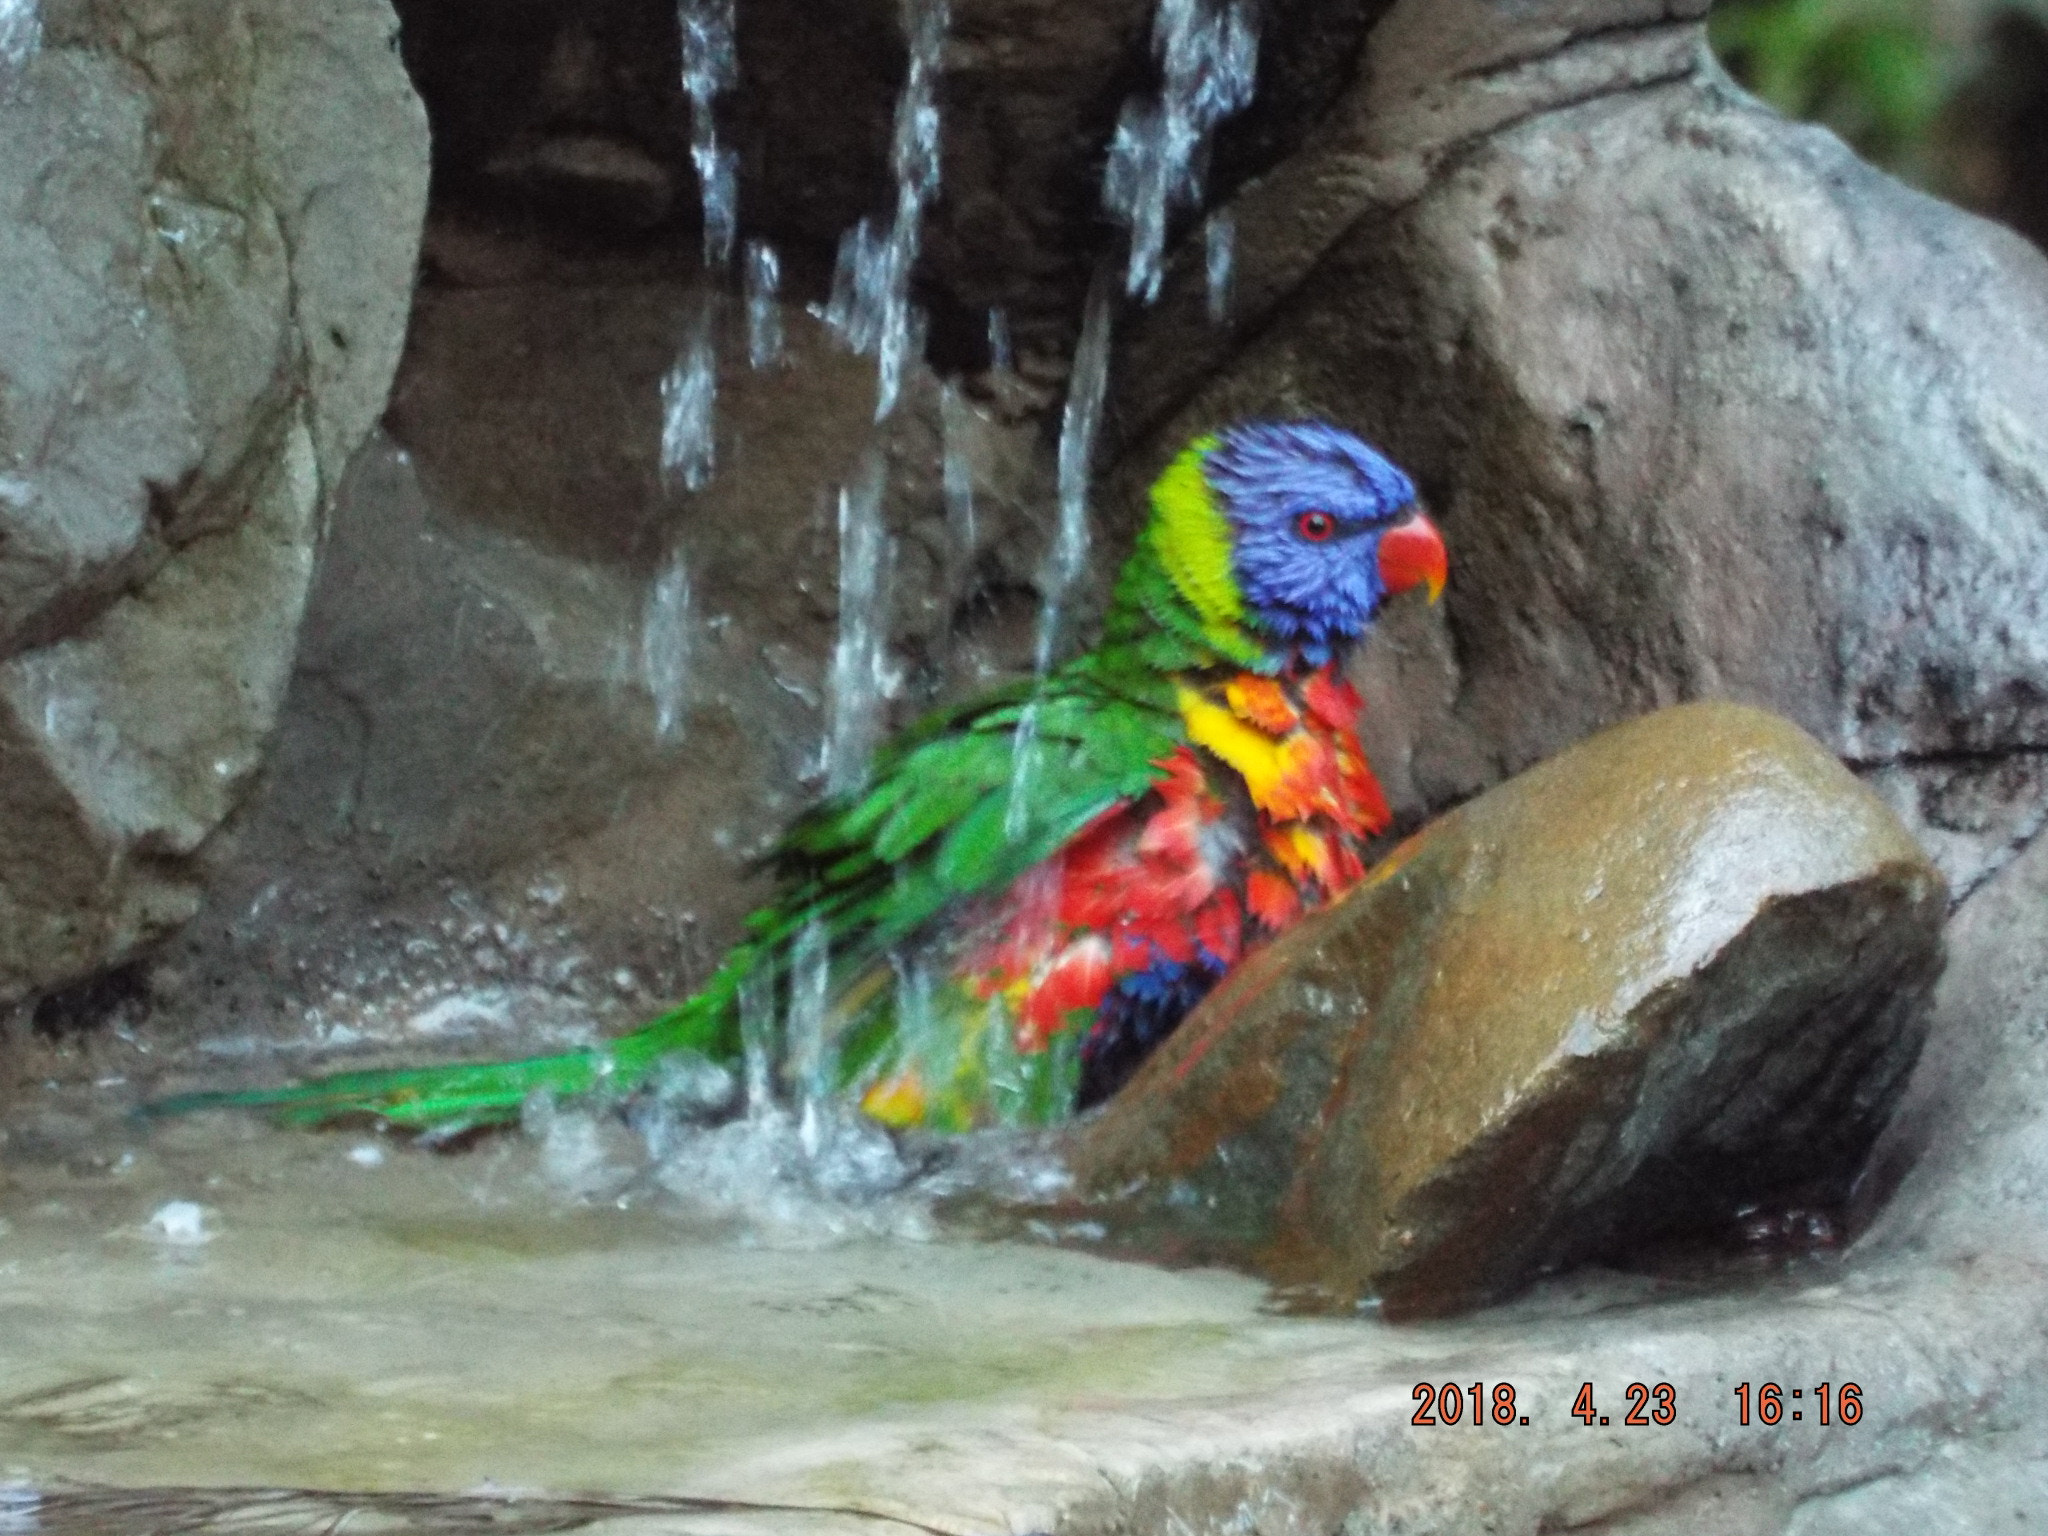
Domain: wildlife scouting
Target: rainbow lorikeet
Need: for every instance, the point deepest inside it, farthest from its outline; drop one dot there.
(1035, 887)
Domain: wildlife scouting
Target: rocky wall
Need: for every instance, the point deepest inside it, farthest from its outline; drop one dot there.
(209, 215)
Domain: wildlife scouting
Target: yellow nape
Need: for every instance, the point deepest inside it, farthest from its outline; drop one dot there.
(1192, 540)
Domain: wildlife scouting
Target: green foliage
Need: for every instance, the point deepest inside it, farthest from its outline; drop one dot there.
(1872, 70)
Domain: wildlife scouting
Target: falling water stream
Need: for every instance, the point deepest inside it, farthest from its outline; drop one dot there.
(870, 306)
(764, 305)
(689, 401)
(711, 68)
(1208, 56)
(860, 656)
(1064, 563)
(665, 643)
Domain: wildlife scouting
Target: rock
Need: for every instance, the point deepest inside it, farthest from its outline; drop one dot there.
(208, 215)
(1707, 407)
(1962, 1169)
(1675, 969)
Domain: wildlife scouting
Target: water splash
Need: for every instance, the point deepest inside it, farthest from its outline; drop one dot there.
(1208, 52)
(764, 307)
(689, 398)
(665, 637)
(21, 37)
(860, 664)
(179, 1222)
(574, 1155)
(1080, 424)
(1219, 251)
(796, 1183)
(710, 68)
(1002, 353)
(870, 305)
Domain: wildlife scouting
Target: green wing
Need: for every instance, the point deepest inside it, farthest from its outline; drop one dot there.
(949, 812)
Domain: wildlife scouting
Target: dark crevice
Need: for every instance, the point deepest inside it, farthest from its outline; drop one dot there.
(1950, 757)
(1625, 31)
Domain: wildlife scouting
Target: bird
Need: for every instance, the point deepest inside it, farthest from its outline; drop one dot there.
(1031, 889)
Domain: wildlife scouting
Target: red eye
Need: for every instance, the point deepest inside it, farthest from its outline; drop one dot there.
(1317, 527)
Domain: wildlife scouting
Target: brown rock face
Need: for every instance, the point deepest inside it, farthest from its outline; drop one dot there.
(1676, 967)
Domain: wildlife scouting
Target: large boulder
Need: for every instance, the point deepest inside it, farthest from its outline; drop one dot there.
(1676, 970)
(1706, 407)
(209, 214)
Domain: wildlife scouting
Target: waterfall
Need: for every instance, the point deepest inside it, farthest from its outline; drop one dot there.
(1079, 424)
(764, 310)
(870, 306)
(21, 35)
(1208, 55)
(665, 646)
(860, 658)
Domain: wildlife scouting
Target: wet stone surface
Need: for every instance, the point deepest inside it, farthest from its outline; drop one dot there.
(1678, 970)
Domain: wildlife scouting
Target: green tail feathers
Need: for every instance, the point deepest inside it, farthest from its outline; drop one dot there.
(466, 1096)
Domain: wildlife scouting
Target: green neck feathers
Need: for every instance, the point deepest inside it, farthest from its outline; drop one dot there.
(1176, 600)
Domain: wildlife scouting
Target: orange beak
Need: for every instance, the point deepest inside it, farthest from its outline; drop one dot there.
(1412, 554)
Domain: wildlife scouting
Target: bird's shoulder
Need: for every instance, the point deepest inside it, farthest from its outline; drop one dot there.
(974, 793)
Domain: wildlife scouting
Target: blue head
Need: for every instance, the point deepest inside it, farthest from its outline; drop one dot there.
(1323, 529)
